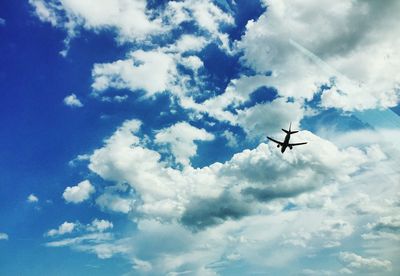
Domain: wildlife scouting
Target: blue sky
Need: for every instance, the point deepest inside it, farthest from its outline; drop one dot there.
(133, 137)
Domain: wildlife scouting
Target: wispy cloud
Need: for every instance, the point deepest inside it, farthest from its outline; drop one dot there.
(3, 236)
(32, 198)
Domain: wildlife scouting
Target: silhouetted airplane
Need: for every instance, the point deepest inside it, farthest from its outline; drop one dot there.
(286, 143)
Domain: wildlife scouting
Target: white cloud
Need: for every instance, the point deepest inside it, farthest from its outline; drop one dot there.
(361, 264)
(221, 210)
(308, 199)
(115, 203)
(334, 231)
(387, 223)
(120, 98)
(3, 236)
(312, 272)
(2, 22)
(168, 193)
(32, 198)
(46, 11)
(97, 225)
(79, 193)
(261, 119)
(227, 204)
(237, 93)
(78, 159)
(100, 225)
(65, 228)
(231, 138)
(101, 244)
(152, 71)
(72, 101)
(180, 137)
(141, 265)
(94, 238)
(342, 36)
(204, 12)
(192, 62)
(187, 43)
(257, 120)
(130, 19)
(387, 227)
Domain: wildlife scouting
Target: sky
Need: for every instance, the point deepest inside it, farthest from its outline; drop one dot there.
(133, 137)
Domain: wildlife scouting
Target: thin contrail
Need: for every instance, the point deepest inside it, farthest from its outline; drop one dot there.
(388, 116)
(317, 60)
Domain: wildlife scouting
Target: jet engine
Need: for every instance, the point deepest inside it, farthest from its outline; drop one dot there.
(278, 146)
(290, 147)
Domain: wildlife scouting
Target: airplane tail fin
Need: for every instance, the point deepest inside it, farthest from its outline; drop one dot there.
(290, 131)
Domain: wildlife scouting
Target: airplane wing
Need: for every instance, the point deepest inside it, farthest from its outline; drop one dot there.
(297, 144)
(273, 140)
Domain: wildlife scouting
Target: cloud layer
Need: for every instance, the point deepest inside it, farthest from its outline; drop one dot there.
(257, 210)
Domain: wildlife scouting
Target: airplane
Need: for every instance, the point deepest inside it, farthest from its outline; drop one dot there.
(286, 143)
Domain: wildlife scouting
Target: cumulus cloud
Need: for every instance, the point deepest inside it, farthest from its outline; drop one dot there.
(78, 193)
(256, 120)
(268, 117)
(221, 198)
(188, 43)
(361, 264)
(192, 62)
(100, 225)
(32, 198)
(202, 213)
(130, 19)
(262, 174)
(387, 227)
(65, 228)
(236, 93)
(204, 13)
(390, 223)
(342, 35)
(229, 205)
(3, 236)
(72, 101)
(97, 225)
(180, 137)
(115, 203)
(151, 71)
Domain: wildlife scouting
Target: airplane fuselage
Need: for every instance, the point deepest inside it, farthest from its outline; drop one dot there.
(285, 142)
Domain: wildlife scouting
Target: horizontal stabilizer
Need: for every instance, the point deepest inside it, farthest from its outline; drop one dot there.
(290, 131)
